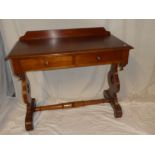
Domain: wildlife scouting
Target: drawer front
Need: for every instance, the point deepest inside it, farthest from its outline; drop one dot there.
(45, 63)
(106, 57)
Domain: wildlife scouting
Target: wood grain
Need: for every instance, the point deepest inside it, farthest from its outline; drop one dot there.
(65, 33)
(74, 104)
(114, 87)
(67, 48)
(63, 45)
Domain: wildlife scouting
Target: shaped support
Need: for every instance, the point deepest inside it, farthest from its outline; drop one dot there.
(30, 102)
(114, 87)
(110, 96)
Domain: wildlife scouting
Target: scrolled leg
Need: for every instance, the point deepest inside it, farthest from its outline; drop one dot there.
(29, 115)
(114, 87)
(30, 102)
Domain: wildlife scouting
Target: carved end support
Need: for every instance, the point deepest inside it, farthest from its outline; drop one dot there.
(121, 66)
(29, 115)
(114, 87)
(117, 110)
(30, 102)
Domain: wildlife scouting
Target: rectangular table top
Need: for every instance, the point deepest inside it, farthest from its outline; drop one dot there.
(65, 41)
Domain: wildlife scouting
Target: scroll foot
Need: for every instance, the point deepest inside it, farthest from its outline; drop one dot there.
(116, 107)
(29, 115)
(117, 110)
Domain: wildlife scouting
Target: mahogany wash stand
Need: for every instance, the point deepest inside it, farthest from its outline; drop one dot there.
(67, 48)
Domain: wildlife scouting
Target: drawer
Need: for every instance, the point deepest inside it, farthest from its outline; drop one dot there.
(43, 63)
(106, 57)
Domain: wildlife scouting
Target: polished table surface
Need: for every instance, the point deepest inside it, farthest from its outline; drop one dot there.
(66, 45)
(68, 48)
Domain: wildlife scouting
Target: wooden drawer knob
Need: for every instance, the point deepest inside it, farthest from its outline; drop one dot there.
(98, 58)
(46, 63)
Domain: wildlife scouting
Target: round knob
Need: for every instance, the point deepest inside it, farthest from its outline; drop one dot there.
(46, 63)
(98, 58)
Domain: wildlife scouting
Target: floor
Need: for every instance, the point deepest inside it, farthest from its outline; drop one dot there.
(138, 118)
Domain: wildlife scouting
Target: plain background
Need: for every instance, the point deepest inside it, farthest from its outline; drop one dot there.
(137, 79)
(81, 9)
(136, 97)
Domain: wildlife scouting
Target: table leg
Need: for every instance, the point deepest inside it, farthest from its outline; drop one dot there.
(114, 87)
(30, 102)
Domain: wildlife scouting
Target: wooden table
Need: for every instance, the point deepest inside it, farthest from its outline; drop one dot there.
(67, 48)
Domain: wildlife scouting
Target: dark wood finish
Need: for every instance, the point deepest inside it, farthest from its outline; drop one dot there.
(45, 46)
(30, 102)
(74, 104)
(114, 87)
(67, 48)
(65, 33)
